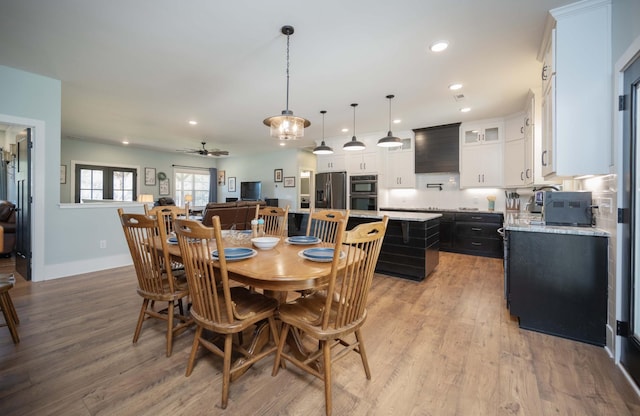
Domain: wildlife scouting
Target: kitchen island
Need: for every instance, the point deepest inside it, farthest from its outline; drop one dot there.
(556, 278)
(411, 244)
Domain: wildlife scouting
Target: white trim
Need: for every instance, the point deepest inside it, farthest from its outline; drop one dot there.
(625, 60)
(56, 271)
(38, 158)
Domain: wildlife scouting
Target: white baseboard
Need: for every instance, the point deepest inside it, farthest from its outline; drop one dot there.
(56, 271)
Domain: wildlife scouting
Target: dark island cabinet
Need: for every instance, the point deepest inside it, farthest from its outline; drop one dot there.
(410, 249)
(557, 284)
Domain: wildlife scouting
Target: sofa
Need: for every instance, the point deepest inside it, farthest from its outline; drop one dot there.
(239, 213)
(7, 228)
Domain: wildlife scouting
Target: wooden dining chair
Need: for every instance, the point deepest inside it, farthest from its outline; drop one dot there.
(324, 224)
(6, 305)
(221, 308)
(334, 317)
(168, 213)
(147, 240)
(275, 220)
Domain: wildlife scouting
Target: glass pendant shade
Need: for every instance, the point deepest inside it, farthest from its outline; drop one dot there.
(390, 140)
(287, 126)
(323, 149)
(354, 144)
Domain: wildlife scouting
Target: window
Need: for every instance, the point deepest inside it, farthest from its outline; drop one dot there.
(105, 182)
(194, 183)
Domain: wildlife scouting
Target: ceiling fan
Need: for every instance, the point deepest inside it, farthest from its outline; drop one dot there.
(207, 152)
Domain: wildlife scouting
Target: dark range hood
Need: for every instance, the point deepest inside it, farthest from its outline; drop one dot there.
(437, 149)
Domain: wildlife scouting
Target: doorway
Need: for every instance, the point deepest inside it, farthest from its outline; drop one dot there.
(19, 138)
(630, 230)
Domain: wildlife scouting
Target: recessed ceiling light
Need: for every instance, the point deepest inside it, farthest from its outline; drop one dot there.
(193, 122)
(345, 130)
(454, 87)
(397, 121)
(125, 142)
(465, 110)
(283, 143)
(439, 46)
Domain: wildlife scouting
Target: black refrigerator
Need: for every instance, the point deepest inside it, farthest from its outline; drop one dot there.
(331, 190)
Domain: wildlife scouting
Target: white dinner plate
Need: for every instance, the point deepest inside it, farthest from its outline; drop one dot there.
(172, 240)
(303, 240)
(321, 255)
(235, 253)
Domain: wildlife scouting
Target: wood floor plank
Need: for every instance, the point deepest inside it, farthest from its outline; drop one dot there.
(444, 346)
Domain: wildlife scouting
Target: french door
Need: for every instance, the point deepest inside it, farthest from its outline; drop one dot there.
(630, 352)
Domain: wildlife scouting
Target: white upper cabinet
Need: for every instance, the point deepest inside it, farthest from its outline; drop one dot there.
(400, 172)
(481, 154)
(361, 162)
(576, 90)
(331, 163)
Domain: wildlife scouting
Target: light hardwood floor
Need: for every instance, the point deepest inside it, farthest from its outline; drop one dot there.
(445, 346)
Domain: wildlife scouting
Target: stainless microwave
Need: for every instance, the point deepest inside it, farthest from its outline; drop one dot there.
(364, 185)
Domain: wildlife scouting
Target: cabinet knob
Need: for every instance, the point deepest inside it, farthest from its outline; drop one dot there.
(544, 162)
(528, 175)
(522, 176)
(522, 129)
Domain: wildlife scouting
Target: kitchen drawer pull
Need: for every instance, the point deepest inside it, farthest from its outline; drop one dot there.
(476, 229)
(476, 218)
(473, 243)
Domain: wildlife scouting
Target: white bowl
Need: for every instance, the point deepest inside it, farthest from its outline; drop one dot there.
(265, 243)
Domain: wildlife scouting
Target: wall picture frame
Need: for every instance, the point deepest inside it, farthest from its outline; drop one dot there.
(164, 188)
(290, 182)
(232, 184)
(277, 175)
(222, 177)
(150, 176)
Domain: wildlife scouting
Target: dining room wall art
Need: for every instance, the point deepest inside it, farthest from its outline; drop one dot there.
(150, 176)
(232, 184)
(290, 182)
(277, 175)
(164, 188)
(222, 176)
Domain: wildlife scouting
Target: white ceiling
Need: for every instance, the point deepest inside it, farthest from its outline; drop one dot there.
(140, 69)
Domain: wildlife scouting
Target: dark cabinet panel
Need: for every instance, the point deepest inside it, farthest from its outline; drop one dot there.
(410, 248)
(557, 284)
(437, 149)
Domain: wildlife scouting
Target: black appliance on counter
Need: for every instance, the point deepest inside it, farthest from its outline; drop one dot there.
(567, 208)
(364, 192)
(536, 201)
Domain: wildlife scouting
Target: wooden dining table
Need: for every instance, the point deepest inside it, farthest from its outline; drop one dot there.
(277, 271)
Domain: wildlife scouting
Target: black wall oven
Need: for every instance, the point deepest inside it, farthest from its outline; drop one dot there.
(364, 192)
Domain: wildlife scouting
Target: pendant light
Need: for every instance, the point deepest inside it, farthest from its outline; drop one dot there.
(354, 144)
(390, 140)
(323, 149)
(287, 126)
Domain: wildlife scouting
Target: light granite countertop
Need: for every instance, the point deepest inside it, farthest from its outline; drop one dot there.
(393, 215)
(534, 223)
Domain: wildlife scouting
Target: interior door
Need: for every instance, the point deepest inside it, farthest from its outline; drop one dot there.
(630, 351)
(23, 205)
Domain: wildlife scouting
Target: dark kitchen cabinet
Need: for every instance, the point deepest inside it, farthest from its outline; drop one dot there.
(437, 149)
(478, 234)
(557, 284)
(410, 249)
(474, 233)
